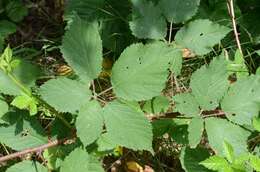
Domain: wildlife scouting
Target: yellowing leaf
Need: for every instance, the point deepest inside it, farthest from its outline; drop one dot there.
(133, 166)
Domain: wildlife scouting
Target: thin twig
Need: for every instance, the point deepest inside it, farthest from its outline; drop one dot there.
(33, 150)
(230, 5)
(170, 33)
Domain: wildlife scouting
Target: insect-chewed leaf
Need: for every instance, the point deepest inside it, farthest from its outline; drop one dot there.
(141, 71)
(65, 95)
(128, 127)
(201, 35)
(186, 104)
(80, 160)
(147, 20)
(178, 11)
(89, 123)
(241, 103)
(82, 48)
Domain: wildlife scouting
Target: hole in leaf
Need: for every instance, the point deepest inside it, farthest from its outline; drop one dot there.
(201, 34)
(127, 67)
(233, 114)
(211, 102)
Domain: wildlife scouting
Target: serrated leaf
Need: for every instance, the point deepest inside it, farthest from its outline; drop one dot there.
(3, 107)
(195, 130)
(141, 71)
(26, 166)
(89, 123)
(65, 95)
(220, 129)
(176, 64)
(186, 104)
(209, 84)
(7, 86)
(157, 105)
(241, 103)
(82, 48)
(200, 36)
(147, 20)
(215, 163)
(23, 133)
(190, 159)
(16, 10)
(178, 11)
(228, 151)
(128, 127)
(80, 160)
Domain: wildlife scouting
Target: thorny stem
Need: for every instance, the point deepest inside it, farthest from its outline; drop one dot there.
(230, 5)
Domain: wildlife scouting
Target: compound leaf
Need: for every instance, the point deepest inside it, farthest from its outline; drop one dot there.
(82, 48)
(241, 103)
(200, 36)
(80, 160)
(147, 20)
(89, 123)
(65, 95)
(141, 71)
(195, 130)
(128, 127)
(178, 11)
(209, 84)
(186, 104)
(219, 130)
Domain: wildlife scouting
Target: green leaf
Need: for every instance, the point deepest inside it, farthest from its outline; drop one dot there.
(241, 103)
(200, 36)
(158, 104)
(190, 159)
(24, 133)
(179, 11)
(82, 49)
(141, 71)
(177, 62)
(16, 10)
(209, 84)
(26, 166)
(179, 133)
(147, 20)
(215, 163)
(162, 126)
(79, 160)
(27, 73)
(7, 86)
(220, 129)
(6, 28)
(3, 107)
(25, 102)
(195, 130)
(229, 151)
(128, 127)
(186, 104)
(256, 123)
(89, 123)
(85, 9)
(65, 95)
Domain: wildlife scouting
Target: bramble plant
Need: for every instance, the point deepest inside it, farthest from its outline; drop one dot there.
(212, 115)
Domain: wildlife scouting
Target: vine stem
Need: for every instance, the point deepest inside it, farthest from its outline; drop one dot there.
(33, 150)
(230, 5)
